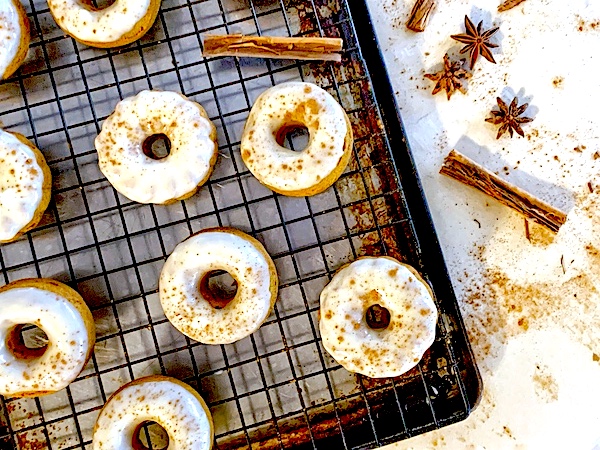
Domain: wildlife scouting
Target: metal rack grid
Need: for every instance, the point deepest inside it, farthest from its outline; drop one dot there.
(278, 388)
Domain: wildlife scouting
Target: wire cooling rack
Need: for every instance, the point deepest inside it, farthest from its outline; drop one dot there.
(278, 388)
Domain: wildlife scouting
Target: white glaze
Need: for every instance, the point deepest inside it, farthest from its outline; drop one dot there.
(191, 313)
(106, 25)
(165, 401)
(68, 341)
(21, 185)
(143, 179)
(10, 33)
(377, 353)
(284, 169)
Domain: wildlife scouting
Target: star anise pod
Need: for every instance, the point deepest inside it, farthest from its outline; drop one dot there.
(477, 41)
(450, 77)
(508, 117)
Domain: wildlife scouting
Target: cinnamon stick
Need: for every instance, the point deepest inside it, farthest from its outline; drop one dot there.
(306, 48)
(509, 4)
(467, 171)
(419, 16)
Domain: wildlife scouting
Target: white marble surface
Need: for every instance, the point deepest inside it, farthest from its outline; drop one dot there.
(532, 307)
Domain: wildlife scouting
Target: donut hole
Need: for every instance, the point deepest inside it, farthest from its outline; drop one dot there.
(157, 146)
(377, 317)
(218, 288)
(293, 136)
(27, 341)
(150, 435)
(97, 5)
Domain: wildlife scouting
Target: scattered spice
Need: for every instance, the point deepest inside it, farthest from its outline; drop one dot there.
(545, 385)
(587, 26)
(450, 78)
(558, 82)
(527, 232)
(523, 323)
(477, 41)
(508, 117)
(509, 4)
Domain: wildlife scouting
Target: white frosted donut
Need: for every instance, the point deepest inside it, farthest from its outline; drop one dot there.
(297, 173)
(188, 303)
(65, 318)
(25, 185)
(142, 178)
(14, 36)
(169, 402)
(367, 346)
(121, 23)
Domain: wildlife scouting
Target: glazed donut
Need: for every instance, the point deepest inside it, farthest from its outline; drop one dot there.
(121, 23)
(281, 109)
(377, 317)
(127, 161)
(169, 402)
(14, 36)
(25, 186)
(67, 321)
(187, 300)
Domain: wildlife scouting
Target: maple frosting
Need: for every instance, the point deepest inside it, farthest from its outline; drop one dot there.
(69, 327)
(190, 310)
(141, 178)
(346, 333)
(98, 25)
(10, 33)
(282, 108)
(164, 400)
(22, 185)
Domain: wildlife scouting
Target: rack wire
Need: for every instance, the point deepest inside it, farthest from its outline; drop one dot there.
(278, 388)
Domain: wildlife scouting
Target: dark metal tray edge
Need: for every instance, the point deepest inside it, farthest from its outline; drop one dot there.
(425, 233)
